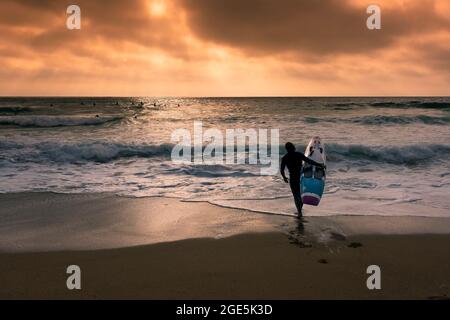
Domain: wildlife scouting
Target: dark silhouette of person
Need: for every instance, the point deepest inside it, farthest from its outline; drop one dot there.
(293, 161)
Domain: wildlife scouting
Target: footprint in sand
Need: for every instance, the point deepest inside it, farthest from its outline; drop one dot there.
(355, 245)
(337, 236)
(301, 244)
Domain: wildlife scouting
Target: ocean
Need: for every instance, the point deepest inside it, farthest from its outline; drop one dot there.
(385, 156)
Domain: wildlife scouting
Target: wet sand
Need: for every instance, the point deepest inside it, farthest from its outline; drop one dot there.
(220, 253)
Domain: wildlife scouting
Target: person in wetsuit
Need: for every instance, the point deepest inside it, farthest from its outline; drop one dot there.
(293, 161)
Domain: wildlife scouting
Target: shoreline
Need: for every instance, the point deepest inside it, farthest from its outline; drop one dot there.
(40, 222)
(160, 248)
(44, 221)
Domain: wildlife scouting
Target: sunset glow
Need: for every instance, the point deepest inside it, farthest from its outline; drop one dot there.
(157, 8)
(203, 48)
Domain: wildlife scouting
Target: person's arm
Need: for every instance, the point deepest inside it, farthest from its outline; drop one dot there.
(282, 168)
(312, 162)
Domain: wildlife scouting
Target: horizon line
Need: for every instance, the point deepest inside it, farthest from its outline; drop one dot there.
(250, 96)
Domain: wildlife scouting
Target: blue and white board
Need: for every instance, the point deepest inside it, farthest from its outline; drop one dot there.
(312, 179)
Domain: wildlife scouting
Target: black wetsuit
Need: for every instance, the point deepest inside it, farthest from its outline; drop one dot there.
(293, 161)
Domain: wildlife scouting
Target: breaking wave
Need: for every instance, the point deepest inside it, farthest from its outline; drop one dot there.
(104, 152)
(408, 154)
(81, 152)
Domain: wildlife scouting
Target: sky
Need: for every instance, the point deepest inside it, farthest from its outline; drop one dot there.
(224, 48)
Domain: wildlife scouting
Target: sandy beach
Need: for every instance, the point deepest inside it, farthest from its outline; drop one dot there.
(227, 254)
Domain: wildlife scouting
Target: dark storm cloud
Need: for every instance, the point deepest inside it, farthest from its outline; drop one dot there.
(307, 27)
(311, 28)
(113, 22)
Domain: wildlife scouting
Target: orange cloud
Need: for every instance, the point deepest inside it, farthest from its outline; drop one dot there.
(233, 47)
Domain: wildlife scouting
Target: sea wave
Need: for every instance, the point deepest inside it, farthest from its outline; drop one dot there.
(412, 103)
(390, 104)
(103, 152)
(56, 121)
(405, 155)
(100, 151)
(385, 120)
(14, 110)
(211, 171)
